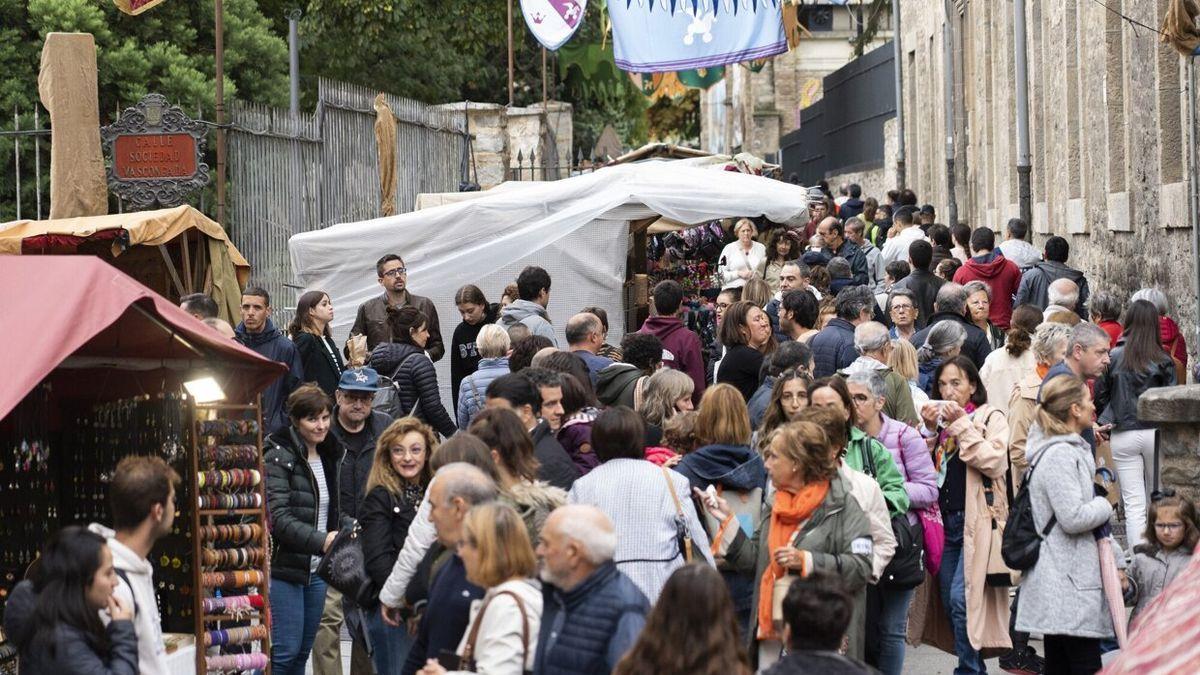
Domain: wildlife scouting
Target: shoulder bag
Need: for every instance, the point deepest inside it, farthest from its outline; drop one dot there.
(467, 661)
(682, 535)
(906, 569)
(343, 566)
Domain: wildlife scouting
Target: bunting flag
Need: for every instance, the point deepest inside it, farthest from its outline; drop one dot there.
(654, 36)
(553, 22)
(136, 7)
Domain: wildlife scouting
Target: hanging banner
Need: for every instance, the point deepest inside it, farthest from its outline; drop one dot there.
(671, 35)
(136, 7)
(553, 22)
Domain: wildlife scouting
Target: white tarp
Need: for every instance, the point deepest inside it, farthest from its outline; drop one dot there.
(576, 228)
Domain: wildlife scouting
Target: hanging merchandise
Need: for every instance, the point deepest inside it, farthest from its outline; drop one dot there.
(553, 22)
(670, 35)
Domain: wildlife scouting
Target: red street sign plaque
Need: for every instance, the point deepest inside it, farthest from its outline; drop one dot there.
(155, 155)
(138, 156)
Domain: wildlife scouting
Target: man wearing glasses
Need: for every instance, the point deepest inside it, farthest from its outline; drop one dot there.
(372, 320)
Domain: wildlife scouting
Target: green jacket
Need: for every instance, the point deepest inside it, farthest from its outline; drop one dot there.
(890, 480)
(838, 535)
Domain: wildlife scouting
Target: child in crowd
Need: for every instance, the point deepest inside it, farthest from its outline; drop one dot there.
(1172, 531)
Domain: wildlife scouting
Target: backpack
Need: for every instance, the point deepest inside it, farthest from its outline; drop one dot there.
(387, 397)
(1022, 542)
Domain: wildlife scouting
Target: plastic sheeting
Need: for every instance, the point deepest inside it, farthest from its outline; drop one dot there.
(576, 228)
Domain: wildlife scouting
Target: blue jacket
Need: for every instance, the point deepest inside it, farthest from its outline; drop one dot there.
(833, 348)
(594, 363)
(272, 344)
(472, 393)
(760, 401)
(586, 630)
(446, 616)
(733, 467)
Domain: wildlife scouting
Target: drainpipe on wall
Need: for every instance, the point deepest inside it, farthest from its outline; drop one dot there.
(1194, 184)
(898, 58)
(1024, 163)
(948, 72)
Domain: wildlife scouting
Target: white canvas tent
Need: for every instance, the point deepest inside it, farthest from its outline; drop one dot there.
(576, 228)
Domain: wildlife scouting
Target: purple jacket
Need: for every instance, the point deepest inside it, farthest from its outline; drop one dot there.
(912, 457)
(681, 349)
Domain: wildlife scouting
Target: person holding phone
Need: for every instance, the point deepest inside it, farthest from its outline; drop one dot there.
(55, 618)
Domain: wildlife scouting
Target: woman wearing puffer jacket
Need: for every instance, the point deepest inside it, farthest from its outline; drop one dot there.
(406, 363)
(1062, 596)
(492, 345)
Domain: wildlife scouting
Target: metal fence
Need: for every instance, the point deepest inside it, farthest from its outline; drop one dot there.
(23, 145)
(291, 174)
(844, 130)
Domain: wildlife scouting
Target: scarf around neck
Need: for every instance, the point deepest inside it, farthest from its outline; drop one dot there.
(788, 515)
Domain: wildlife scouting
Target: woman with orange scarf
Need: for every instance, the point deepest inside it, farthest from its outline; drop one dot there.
(810, 523)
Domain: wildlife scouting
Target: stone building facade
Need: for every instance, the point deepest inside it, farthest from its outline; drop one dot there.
(502, 134)
(1109, 133)
(750, 111)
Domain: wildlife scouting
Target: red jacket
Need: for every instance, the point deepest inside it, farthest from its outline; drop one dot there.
(1114, 332)
(1002, 275)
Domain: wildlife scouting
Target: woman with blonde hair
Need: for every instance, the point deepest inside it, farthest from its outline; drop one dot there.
(811, 522)
(395, 487)
(502, 635)
(668, 392)
(741, 260)
(756, 292)
(904, 362)
(492, 346)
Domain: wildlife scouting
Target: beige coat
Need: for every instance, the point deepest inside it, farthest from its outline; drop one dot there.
(1002, 372)
(981, 445)
(1022, 411)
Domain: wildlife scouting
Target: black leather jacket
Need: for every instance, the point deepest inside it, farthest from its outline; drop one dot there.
(1118, 389)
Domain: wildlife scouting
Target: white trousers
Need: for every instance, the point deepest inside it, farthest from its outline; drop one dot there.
(1133, 456)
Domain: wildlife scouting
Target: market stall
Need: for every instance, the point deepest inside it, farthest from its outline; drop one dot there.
(99, 367)
(587, 231)
(173, 251)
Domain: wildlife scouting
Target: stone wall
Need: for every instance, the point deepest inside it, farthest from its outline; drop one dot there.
(1175, 411)
(500, 133)
(1108, 134)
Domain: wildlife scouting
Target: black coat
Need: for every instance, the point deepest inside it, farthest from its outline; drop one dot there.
(975, 348)
(355, 468)
(555, 466)
(464, 356)
(272, 344)
(740, 368)
(75, 651)
(417, 382)
(323, 363)
(385, 520)
(292, 500)
(1118, 389)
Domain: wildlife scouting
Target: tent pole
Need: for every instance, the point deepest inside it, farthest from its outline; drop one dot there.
(174, 334)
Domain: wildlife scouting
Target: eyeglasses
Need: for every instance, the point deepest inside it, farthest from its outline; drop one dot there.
(1169, 527)
(902, 308)
(396, 272)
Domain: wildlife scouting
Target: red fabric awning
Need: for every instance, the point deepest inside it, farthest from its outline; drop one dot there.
(55, 307)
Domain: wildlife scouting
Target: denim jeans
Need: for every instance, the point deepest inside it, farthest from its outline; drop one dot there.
(295, 613)
(887, 625)
(391, 644)
(954, 594)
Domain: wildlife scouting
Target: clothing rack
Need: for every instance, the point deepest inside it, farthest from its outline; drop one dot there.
(232, 539)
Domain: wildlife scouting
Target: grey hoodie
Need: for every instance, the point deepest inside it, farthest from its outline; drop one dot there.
(152, 653)
(532, 315)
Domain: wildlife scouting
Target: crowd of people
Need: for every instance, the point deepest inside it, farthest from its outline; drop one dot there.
(822, 485)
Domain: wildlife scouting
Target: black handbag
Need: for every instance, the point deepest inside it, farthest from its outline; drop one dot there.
(343, 566)
(906, 570)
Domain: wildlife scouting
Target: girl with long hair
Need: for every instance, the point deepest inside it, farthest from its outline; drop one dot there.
(1138, 363)
(575, 430)
(309, 329)
(789, 395)
(1062, 597)
(781, 248)
(54, 618)
(1172, 532)
(668, 392)
(395, 487)
(1004, 368)
(476, 313)
(692, 630)
(512, 450)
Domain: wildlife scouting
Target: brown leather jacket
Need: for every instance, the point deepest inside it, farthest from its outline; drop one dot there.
(372, 322)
